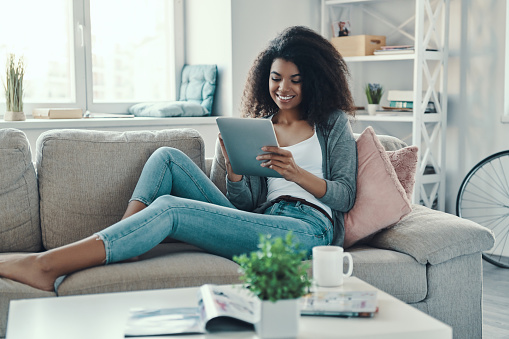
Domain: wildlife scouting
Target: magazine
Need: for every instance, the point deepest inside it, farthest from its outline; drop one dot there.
(340, 304)
(220, 308)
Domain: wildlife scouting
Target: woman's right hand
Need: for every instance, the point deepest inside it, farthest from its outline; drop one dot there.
(231, 175)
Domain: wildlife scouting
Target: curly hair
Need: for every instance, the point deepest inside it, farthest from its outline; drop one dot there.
(323, 71)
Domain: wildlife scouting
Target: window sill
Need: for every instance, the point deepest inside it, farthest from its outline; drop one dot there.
(107, 122)
(505, 119)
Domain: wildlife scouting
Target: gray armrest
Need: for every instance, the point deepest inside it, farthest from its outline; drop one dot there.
(434, 237)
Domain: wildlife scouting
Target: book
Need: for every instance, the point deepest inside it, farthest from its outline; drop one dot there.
(340, 304)
(57, 113)
(409, 105)
(397, 47)
(389, 50)
(393, 51)
(219, 308)
(401, 104)
(397, 95)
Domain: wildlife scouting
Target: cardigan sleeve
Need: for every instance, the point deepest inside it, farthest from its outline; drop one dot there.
(341, 163)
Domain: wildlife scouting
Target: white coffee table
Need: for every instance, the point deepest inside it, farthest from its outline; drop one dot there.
(104, 316)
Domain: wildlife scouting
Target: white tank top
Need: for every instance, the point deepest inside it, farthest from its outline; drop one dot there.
(307, 155)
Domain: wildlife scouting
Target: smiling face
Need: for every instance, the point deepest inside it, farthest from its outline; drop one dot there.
(285, 85)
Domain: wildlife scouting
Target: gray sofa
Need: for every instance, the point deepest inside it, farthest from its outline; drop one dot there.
(83, 180)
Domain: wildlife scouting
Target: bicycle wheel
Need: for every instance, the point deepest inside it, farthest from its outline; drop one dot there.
(483, 197)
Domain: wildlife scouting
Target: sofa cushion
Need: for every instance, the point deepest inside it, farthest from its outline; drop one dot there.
(19, 198)
(86, 178)
(404, 162)
(395, 273)
(199, 85)
(168, 109)
(434, 237)
(166, 266)
(389, 142)
(381, 200)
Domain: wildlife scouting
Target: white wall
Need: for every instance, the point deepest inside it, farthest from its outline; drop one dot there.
(476, 88)
(208, 39)
(254, 23)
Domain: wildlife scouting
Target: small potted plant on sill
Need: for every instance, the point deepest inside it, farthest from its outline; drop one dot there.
(374, 94)
(277, 275)
(15, 71)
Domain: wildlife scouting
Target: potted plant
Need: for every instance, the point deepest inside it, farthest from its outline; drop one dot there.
(277, 275)
(15, 71)
(374, 94)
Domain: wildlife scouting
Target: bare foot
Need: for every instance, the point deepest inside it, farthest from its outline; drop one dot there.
(27, 269)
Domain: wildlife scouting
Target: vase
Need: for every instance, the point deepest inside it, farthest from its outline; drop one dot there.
(14, 116)
(372, 108)
(278, 319)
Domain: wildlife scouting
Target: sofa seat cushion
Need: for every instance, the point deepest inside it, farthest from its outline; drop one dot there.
(86, 178)
(168, 265)
(19, 198)
(395, 273)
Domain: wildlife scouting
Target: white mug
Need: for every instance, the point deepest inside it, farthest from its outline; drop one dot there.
(328, 265)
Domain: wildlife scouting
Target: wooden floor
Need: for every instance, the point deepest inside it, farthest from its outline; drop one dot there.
(495, 302)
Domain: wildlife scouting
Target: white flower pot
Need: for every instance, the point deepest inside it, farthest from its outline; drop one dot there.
(278, 319)
(14, 116)
(372, 108)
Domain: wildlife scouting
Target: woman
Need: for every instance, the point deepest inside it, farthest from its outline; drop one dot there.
(306, 98)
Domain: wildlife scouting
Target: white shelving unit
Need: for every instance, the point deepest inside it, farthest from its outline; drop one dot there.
(424, 24)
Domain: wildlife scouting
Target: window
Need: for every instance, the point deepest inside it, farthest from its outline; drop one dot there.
(45, 44)
(99, 55)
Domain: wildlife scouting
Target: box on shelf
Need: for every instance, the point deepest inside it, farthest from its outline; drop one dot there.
(358, 45)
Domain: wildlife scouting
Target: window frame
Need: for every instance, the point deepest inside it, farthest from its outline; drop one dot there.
(176, 51)
(83, 81)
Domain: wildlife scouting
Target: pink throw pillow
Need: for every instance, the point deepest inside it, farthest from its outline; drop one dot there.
(404, 162)
(381, 200)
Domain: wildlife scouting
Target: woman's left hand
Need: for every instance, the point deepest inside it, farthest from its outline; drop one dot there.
(281, 161)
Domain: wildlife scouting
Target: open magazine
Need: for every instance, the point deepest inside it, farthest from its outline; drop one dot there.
(340, 303)
(220, 308)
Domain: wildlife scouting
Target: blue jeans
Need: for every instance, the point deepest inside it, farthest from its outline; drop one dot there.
(183, 203)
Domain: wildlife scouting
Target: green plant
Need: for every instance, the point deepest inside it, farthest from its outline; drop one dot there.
(276, 271)
(15, 71)
(374, 93)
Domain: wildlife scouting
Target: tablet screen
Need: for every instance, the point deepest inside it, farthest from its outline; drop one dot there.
(243, 139)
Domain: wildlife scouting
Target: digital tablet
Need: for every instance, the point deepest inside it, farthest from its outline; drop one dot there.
(243, 139)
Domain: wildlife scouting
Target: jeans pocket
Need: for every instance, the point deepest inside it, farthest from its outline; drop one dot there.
(317, 218)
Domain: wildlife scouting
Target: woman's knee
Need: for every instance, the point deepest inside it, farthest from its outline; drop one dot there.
(170, 154)
(163, 200)
(165, 152)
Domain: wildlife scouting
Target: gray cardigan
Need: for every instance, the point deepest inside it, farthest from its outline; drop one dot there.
(339, 154)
